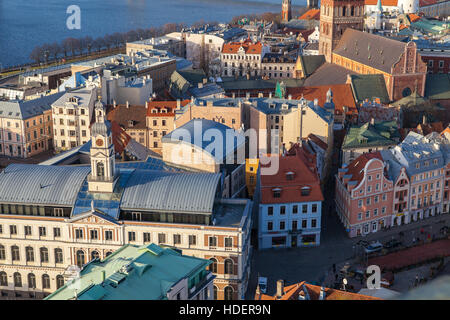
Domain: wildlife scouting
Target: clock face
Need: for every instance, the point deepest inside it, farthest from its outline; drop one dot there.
(99, 142)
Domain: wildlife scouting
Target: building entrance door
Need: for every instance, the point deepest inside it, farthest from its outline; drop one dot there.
(293, 241)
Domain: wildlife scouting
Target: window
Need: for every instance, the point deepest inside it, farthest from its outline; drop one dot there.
(59, 255)
(45, 281)
(367, 214)
(376, 199)
(375, 212)
(29, 254)
(31, 281)
(304, 224)
(94, 235)
(305, 208)
(42, 231)
(313, 223)
(229, 266)
(79, 233)
(294, 225)
(1, 229)
(270, 226)
(44, 254)
(80, 258)
(282, 225)
(276, 193)
(28, 230)
(161, 238)
(360, 202)
(17, 279)
(295, 209)
(136, 216)
(270, 211)
(147, 237)
(15, 253)
(228, 242)
(3, 279)
(213, 265)
(212, 241)
(360, 216)
(192, 240)
(228, 293)
(131, 236)
(215, 288)
(368, 201)
(108, 235)
(59, 281)
(314, 208)
(2, 252)
(176, 239)
(283, 210)
(12, 229)
(95, 255)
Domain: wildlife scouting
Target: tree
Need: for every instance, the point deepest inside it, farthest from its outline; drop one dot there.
(108, 41)
(131, 36)
(55, 49)
(99, 43)
(36, 54)
(87, 43)
(169, 28)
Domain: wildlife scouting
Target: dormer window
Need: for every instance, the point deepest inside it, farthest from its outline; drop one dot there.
(306, 191)
(290, 175)
(276, 192)
(154, 111)
(417, 165)
(130, 123)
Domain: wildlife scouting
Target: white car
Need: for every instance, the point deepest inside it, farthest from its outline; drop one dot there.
(373, 247)
(262, 282)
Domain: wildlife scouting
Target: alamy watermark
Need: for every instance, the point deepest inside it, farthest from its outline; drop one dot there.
(374, 278)
(73, 22)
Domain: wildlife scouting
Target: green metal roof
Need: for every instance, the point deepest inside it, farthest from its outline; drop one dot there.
(311, 63)
(132, 272)
(438, 86)
(383, 133)
(368, 87)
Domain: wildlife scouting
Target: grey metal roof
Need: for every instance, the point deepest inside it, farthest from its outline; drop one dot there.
(26, 109)
(172, 192)
(45, 185)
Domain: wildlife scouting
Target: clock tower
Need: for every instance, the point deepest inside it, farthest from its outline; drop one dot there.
(103, 172)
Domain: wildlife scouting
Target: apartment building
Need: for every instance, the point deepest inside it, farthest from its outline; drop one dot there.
(131, 118)
(242, 58)
(52, 218)
(278, 66)
(291, 202)
(26, 127)
(72, 115)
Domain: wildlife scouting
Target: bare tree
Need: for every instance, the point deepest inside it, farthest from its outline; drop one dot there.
(169, 27)
(98, 43)
(55, 49)
(36, 54)
(87, 43)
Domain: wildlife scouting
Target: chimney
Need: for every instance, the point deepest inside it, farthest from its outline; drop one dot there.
(128, 104)
(280, 288)
(200, 85)
(114, 103)
(233, 95)
(205, 80)
(103, 275)
(248, 76)
(372, 121)
(270, 95)
(247, 95)
(146, 105)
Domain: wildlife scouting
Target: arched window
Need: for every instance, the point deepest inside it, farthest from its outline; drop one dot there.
(59, 255)
(31, 281)
(15, 253)
(215, 292)
(213, 265)
(80, 258)
(108, 253)
(344, 11)
(406, 92)
(100, 169)
(59, 281)
(29, 252)
(95, 255)
(45, 281)
(352, 11)
(228, 293)
(3, 279)
(228, 266)
(17, 279)
(44, 254)
(2, 253)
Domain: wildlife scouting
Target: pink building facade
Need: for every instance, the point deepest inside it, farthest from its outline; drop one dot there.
(364, 195)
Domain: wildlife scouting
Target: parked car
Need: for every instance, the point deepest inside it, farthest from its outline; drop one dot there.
(394, 243)
(262, 282)
(373, 247)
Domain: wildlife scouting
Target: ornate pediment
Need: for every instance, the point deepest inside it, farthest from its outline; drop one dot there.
(92, 218)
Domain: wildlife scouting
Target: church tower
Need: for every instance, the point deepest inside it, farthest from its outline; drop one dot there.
(103, 172)
(335, 17)
(286, 12)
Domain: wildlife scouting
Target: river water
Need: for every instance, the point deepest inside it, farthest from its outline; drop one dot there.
(27, 23)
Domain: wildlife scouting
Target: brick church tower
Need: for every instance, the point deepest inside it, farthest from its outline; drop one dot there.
(286, 12)
(335, 17)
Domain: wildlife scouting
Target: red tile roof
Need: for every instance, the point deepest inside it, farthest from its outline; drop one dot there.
(311, 14)
(169, 105)
(413, 17)
(423, 3)
(292, 292)
(124, 115)
(318, 141)
(303, 164)
(355, 168)
(120, 137)
(387, 3)
(248, 45)
(342, 96)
